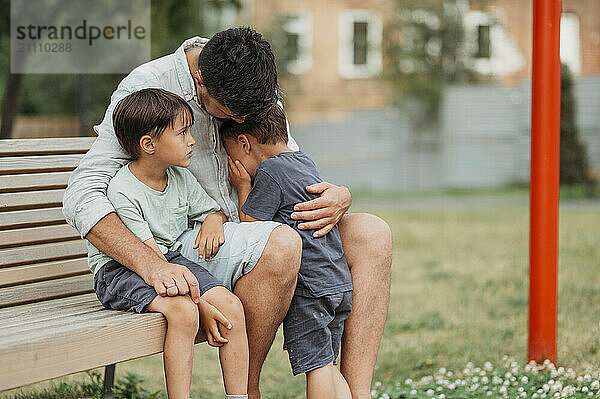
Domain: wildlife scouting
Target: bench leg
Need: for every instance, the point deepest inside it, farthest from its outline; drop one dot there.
(109, 380)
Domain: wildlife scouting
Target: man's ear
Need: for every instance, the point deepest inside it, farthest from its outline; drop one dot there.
(198, 78)
(244, 141)
(147, 144)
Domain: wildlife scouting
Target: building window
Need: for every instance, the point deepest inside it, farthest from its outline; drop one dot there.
(298, 33)
(483, 42)
(359, 53)
(570, 50)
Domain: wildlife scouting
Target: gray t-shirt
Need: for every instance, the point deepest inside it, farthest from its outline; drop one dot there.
(149, 213)
(279, 184)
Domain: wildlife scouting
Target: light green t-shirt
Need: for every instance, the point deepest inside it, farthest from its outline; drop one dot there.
(149, 213)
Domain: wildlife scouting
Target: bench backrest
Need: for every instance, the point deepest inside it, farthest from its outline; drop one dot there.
(41, 257)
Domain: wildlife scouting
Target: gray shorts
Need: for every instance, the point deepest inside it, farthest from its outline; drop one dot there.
(118, 287)
(313, 329)
(243, 247)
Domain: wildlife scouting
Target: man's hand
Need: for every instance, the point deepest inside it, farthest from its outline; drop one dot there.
(210, 317)
(211, 235)
(238, 175)
(324, 212)
(172, 279)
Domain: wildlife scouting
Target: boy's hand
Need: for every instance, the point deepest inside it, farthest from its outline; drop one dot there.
(210, 236)
(238, 175)
(210, 317)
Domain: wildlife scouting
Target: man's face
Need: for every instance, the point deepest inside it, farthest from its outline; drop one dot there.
(214, 107)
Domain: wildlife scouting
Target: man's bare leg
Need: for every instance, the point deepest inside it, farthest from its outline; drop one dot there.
(367, 243)
(266, 293)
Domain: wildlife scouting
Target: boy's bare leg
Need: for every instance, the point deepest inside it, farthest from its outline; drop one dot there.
(234, 354)
(367, 243)
(326, 383)
(342, 390)
(182, 325)
(266, 293)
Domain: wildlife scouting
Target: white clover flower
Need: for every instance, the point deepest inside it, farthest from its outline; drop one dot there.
(470, 365)
(587, 378)
(441, 396)
(442, 370)
(377, 384)
(429, 392)
(484, 380)
(546, 362)
(580, 379)
(524, 380)
(385, 396)
(373, 393)
(557, 394)
(504, 358)
(475, 379)
(488, 366)
(496, 380)
(523, 394)
(413, 392)
(408, 381)
(507, 375)
(534, 396)
(438, 389)
(502, 390)
(532, 363)
(551, 382)
(561, 370)
(595, 385)
(449, 374)
(584, 389)
(527, 368)
(546, 387)
(451, 387)
(489, 393)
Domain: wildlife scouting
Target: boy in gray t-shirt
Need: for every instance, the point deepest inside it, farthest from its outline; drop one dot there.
(271, 179)
(156, 196)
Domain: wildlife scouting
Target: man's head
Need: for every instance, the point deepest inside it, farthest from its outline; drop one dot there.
(237, 70)
(155, 122)
(247, 141)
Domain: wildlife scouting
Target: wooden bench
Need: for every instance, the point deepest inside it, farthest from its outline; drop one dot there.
(51, 323)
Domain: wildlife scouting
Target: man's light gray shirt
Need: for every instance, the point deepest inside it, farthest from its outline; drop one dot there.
(85, 201)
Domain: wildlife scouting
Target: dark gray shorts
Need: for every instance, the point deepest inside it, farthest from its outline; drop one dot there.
(313, 328)
(118, 287)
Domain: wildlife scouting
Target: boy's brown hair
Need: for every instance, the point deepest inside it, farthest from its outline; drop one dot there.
(270, 127)
(147, 111)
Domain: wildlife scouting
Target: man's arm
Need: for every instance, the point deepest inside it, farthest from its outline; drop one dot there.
(325, 212)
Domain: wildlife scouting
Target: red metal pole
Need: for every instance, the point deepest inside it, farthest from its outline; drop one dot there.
(545, 166)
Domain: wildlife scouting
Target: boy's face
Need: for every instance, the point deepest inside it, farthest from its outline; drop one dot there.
(174, 146)
(241, 150)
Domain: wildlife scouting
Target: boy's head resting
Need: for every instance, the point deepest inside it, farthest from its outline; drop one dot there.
(253, 141)
(142, 117)
(238, 70)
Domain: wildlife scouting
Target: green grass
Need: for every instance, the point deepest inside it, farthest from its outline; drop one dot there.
(459, 294)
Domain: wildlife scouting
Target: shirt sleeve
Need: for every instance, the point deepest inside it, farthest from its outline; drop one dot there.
(201, 204)
(130, 214)
(84, 201)
(264, 200)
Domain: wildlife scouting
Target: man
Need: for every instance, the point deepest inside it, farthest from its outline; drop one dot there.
(233, 76)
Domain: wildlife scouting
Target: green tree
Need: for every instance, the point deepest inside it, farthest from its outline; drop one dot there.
(573, 156)
(425, 49)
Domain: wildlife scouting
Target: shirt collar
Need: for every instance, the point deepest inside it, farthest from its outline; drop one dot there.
(181, 66)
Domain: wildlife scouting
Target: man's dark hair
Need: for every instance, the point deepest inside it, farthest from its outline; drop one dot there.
(270, 127)
(148, 111)
(238, 70)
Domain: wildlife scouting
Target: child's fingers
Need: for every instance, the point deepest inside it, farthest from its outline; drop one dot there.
(208, 252)
(216, 335)
(218, 316)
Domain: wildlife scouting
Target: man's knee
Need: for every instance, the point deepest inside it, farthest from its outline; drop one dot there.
(284, 251)
(369, 234)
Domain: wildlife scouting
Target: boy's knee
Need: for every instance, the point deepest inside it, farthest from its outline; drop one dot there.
(181, 311)
(228, 304)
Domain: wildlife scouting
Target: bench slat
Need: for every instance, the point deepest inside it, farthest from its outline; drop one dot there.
(46, 146)
(31, 217)
(29, 293)
(23, 314)
(31, 199)
(80, 346)
(32, 164)
(42, 253)
(34, 181)
(11, 238)
(43, 271)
